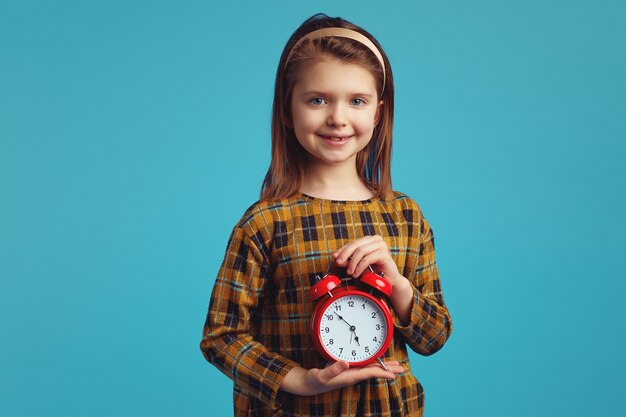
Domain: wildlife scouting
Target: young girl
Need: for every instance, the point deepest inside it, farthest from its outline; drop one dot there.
(326, 198)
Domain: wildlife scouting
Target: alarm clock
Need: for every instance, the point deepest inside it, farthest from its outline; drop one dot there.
(352, 321)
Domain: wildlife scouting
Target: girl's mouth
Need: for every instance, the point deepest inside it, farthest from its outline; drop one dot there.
(336, 138)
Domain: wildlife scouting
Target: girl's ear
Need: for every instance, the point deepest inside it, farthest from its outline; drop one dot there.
(379, 112)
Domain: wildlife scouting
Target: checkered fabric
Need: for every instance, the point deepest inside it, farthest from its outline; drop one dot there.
(257, 327)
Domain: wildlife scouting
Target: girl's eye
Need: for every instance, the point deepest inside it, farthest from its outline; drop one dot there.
(358, 102)
(317, 101)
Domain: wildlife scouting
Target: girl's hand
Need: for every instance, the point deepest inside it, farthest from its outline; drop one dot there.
(315, 381)
(372, 251)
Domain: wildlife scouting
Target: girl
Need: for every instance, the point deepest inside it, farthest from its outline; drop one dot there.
(326, 198)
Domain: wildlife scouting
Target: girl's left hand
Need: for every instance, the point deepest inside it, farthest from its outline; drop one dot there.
(372, 251)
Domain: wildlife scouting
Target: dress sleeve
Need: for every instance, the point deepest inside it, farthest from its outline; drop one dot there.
(227, 340)
(430, 324)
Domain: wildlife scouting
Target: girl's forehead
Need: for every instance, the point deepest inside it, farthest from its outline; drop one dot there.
(334, 74)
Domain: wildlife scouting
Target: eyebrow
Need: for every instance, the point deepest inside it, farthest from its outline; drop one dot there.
(320, 93)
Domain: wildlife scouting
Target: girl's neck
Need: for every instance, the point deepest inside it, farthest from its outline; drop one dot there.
(334, 183)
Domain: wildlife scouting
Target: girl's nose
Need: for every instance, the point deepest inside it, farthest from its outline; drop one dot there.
(337, 116)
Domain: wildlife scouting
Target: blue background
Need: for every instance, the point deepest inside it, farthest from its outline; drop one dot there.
(135, 133)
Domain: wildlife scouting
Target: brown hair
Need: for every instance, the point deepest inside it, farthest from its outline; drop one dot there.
(373, 163)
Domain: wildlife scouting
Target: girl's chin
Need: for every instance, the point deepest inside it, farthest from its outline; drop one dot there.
(332, 161)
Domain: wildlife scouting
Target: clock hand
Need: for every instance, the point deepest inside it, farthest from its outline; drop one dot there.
(352, 329)
(344, 320)
(353, 333)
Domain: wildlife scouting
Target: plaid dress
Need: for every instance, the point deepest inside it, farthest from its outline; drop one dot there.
(257, 327)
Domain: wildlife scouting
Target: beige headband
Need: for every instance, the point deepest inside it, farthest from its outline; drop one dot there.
(341, 33)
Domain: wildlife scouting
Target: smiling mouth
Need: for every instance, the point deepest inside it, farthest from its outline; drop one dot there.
(336, 138)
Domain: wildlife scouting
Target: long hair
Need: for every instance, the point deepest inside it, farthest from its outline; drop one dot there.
(373, 163)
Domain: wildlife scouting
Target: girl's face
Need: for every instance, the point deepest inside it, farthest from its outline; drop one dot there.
(334, 111)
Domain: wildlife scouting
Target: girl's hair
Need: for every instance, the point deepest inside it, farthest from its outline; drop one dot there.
(373, 163)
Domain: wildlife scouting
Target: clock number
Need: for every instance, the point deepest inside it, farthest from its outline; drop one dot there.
(350, 303)
(354, 353)
(367, 349)
(378, 327)
(331, 342)
(373, 314)
(363, 305)
(329, 316)
(326, 329)
(375, 339)
(337, 307)
(340, 351)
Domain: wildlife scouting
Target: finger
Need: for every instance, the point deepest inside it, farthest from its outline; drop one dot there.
(388, 363)
(357, 252)
(363, 251)
(343, 254)
(393, 367)
(354, 375)
(332, 371)
(337, 253)
(396, 369)
(377, 372)
(374, 258)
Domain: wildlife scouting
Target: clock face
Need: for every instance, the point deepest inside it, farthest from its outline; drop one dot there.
(353, 328)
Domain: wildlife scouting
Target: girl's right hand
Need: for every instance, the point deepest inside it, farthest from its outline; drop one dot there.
(315, 381)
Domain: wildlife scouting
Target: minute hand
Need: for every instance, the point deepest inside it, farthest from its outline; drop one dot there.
(344, 320)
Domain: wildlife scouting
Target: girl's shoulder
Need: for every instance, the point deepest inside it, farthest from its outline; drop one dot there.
(405, 202)
(268, 221)
(264, 216)
(266, 211)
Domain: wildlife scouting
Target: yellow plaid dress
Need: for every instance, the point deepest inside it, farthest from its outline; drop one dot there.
(257, 327)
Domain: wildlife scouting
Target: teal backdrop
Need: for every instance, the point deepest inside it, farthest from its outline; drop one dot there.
(133, 135)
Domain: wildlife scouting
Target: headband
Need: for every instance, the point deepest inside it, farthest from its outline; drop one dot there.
(341, 33)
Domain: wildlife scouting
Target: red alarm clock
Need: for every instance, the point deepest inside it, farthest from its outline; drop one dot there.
(352, 322)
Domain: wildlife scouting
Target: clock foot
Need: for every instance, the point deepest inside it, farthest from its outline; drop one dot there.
(380, 362)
